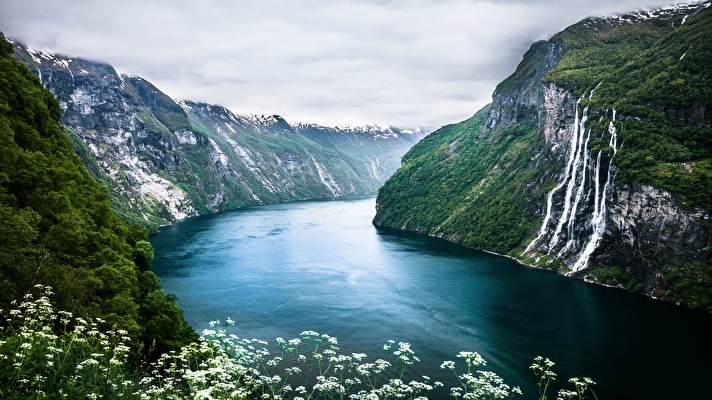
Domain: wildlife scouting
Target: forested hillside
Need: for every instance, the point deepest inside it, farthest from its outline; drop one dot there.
(58, 228)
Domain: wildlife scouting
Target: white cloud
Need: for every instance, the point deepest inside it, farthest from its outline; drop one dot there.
(406, 63)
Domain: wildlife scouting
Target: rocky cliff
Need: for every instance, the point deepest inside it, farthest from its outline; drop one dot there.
(165, 160)
(593, 159)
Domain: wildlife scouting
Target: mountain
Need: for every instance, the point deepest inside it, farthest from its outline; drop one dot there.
(165, 160)
(593, 159)
(58, 228)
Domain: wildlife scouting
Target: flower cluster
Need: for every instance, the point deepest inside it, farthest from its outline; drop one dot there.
(48, 354)
(311, 366)
(477, 384)
(543, 370)
(86, 359)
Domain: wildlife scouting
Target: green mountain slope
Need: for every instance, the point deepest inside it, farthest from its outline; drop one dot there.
(660, 76)
(457, 185)
(58, 228)
(592, 160)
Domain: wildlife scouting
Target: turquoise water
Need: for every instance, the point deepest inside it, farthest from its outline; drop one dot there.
(279, 270)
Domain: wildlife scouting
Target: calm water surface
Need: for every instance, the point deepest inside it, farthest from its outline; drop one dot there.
(282, 269)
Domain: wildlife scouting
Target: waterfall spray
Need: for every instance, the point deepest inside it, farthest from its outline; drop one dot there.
(578, 159)
(579, 195)
(563, 218)
(598, 219)
(550, 196)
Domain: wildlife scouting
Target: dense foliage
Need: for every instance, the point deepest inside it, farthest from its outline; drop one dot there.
(659, 77)
(88, 360)
(58, 227)
(448, 182)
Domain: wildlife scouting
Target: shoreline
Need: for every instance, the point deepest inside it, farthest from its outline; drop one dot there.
(583, 279)
(254, 206)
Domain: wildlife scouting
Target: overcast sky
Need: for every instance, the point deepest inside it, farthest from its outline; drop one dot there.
(406, 63)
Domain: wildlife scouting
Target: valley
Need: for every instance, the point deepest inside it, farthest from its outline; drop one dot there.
(555, 244)
(165, 160)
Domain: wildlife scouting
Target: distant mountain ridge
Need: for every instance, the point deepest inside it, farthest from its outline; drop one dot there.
(165, 160)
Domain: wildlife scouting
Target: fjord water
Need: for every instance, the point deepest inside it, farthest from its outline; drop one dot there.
(282, 269)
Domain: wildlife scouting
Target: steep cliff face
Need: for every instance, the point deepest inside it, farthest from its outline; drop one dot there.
(592, 160)
(165, 160)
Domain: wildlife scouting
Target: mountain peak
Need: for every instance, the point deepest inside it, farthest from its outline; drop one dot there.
(677, 14)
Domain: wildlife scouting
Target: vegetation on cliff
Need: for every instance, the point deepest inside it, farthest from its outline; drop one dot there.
(447, 182)
(659, 78)
(58, 228)
(483, 182)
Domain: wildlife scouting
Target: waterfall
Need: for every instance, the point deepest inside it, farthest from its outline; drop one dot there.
(612, 132)
(590, 96)
(579, 195)
(550, 196)
(598, 219)
(578, 159)
(579, 192)
(578, 132)
(596, 179)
